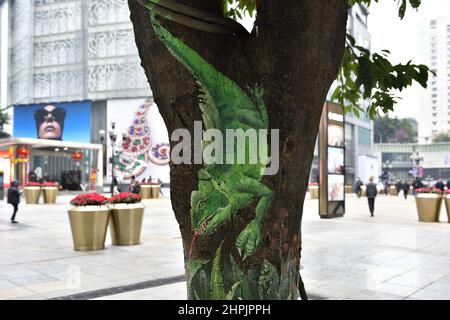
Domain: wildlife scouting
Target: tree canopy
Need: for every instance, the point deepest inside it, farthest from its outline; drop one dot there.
(363, 75)
(388, 130)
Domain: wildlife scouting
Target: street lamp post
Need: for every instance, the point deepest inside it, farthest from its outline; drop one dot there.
(113, 138)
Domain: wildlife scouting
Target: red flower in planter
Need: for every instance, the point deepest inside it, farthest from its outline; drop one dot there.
(90, 199)
(125, 197)
(429, 190)
(50, 184)
(32, 184)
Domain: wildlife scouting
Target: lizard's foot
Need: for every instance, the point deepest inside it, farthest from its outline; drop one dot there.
(249, 239)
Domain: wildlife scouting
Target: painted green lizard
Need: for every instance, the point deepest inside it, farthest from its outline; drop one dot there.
(223, 189)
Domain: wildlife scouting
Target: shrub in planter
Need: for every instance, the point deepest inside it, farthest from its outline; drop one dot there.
(428, 203)
(127, 213)
(89, 217)
(50, 190)
(32, 191)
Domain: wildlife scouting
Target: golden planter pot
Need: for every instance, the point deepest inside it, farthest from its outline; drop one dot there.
(146, 192)
(314, 192)
(428, 207)
(155, 190)
(126, 223)
(447, 206)
(393, 191)
(32, 194)
(89, 225)
(363, 191)
(50, 194)
(348, 189)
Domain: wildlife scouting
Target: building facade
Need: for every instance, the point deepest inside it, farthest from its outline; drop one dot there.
(68, 53)
(434, 110)
(402, 161)
(359, 156)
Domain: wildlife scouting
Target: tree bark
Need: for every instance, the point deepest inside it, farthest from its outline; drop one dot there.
(294, 53)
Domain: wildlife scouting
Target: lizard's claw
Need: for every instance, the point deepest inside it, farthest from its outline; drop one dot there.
(249, 239)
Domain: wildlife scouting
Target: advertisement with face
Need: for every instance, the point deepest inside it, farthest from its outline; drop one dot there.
(56, 121)
(335, 136)
(143, 148)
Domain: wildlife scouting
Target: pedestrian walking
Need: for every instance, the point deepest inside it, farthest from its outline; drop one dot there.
(405, 188)
(14, 199)
(448, 184)
(371, 192)
(398, 187)
(358, 186)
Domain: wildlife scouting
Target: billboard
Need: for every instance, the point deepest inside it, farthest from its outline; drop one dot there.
(143, 148)
(69, 121)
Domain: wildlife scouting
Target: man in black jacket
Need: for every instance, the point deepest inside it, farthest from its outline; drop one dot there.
(405, 188)
(440, 185)
(14, 199)
(371, 193)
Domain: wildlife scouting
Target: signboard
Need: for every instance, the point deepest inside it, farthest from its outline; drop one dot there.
(143, 148)
(332, 162)
(56, 121)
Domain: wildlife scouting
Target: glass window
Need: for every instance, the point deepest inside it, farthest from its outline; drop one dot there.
(364, 137)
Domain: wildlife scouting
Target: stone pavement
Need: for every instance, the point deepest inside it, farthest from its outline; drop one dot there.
(390, 256)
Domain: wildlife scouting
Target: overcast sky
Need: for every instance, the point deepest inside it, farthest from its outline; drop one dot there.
(400, 37)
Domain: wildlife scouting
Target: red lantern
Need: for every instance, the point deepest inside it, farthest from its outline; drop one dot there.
(23, 152)
(77, 156)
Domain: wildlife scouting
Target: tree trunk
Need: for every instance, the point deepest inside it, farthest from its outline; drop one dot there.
(294, 53)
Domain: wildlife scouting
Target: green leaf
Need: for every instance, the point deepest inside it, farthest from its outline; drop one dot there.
(217, 286)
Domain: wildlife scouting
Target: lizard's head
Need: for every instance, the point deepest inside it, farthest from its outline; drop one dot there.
(205, 203)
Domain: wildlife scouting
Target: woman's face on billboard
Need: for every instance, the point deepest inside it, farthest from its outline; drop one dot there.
(50, 128)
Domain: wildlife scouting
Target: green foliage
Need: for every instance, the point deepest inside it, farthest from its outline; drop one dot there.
(367, 76)
(394, 130)
(402, 5)
(442, 137)
(236, 9)
(362, 76)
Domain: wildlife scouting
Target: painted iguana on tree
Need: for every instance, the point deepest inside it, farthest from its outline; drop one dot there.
(224, 189)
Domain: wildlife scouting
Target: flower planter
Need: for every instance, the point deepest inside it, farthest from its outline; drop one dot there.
(155, 190)
(146, 191)
(363, 191)
(428, 207)
(348, 189)
(393, 191)
(50, 194)
(32, 194)
(126, 223)
(447, 206)
(314, 192)
(89, 225)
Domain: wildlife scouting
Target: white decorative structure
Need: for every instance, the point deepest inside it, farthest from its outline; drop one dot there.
(67, 50)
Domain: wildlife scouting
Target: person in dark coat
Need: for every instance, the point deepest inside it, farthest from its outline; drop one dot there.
(417, 184)
(358, 186)
(135, 187)
(371, 193)
(398, 187)
(14, 199)
(440, 185)
(405, 188)
(448, 184)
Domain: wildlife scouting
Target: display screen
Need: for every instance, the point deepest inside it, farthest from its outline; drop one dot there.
(55, 121)
(335, 160)
(335, 187)
(335, 136)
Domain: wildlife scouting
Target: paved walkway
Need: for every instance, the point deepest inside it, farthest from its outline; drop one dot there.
(390, 256)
